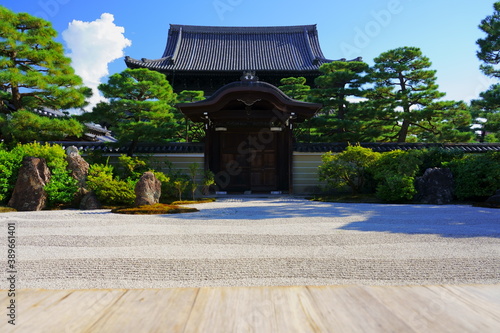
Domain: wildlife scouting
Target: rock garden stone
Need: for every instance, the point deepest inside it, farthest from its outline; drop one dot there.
(147, 190)
(29, 193)
(77, 165)
(79, 170)
(494, 200)
(435, 186)
(90, 201)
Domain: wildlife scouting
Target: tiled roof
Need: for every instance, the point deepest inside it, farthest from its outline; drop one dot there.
(390, 146)
(225, 49)
(114, 148)
(198, 148)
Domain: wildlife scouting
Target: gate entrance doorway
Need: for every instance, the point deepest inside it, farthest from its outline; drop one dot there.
(252, 162)
(248, 142)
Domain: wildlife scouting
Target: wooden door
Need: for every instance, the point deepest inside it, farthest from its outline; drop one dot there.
(248, 161)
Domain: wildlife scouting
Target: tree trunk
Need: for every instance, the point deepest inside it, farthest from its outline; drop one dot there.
(403, 133)
(16, 98)
(132, 148)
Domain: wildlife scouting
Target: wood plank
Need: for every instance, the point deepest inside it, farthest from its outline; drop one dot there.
(262, 309)
(65, 311)
(150, 310)
(433, 308)
(299, 311)
(355, 309)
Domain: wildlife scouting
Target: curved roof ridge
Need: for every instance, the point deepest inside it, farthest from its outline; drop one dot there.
(129, 59)
(242, 29)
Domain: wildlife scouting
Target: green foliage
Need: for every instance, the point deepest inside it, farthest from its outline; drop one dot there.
(395, 173)
(476, 176)
(25, 126)
(180, 185)
(437, 158)
(193, 173)
(62, 187)
(110, 190)
(133, 167)
(447, 121)
(489, 46)
(34, 72)
(168, 179)
(139, 108)
(208, 180)
(10, 162)
(348, 168)
(190, 96)
(404, 93)
(396, 188)
(340, 119)
(189, 131)
(487, 109)
(166, 186)
(295, 87)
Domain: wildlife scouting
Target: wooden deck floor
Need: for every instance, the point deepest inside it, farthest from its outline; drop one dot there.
(474, 308)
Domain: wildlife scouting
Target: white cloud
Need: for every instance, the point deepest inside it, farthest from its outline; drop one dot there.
(93, 45)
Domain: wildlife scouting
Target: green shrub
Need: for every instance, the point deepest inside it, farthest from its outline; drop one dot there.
(171, 183)
(436, 157)
(395, 173)
(132, 167)
(476, 176)
(348, 168)
(9, 166)
(208, 180)
(110, 190)
(61, 187)
(396, 188)
(166, 187)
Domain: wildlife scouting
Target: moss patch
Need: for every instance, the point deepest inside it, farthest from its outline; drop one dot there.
(6, 209)
(188, 202)
(156, 209)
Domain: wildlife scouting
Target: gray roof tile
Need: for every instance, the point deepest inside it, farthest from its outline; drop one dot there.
(197, 48)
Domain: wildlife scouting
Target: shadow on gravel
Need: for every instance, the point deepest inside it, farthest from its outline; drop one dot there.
(453, 221)
(268, 210)
(445, 221)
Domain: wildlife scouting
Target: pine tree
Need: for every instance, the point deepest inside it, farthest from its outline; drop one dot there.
(189, 131)
(489, 47)
(34, 72)
(140, 107)
(339, 90)
(487, 108)
(295, 87)
(404, 93)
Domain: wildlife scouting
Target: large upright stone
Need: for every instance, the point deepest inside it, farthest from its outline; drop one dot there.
(77, 165)
(494, 200)
(90, 201)
(147, 190)
(435, 186)
(29, 193)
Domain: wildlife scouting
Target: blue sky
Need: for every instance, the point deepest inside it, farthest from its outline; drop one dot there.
(445, 30)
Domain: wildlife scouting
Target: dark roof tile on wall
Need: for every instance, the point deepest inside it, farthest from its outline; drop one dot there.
(390, 146)
(198, 148)
(114, 148)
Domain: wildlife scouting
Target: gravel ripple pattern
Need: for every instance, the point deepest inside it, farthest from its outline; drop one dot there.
(276, 241)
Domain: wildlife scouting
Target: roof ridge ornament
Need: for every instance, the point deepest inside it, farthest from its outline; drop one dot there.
(249, 76)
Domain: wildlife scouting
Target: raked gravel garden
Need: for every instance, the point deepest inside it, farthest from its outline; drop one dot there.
(258, 241)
